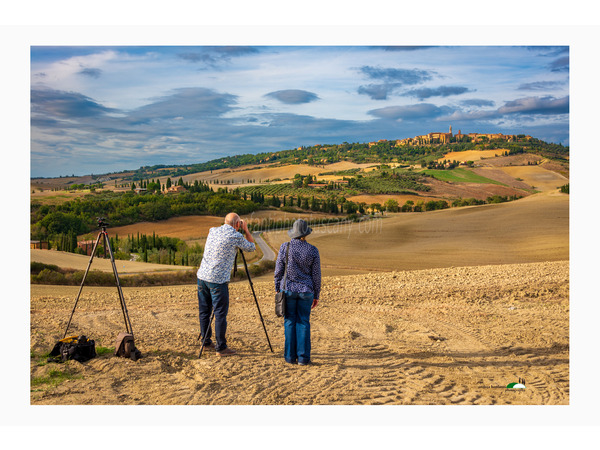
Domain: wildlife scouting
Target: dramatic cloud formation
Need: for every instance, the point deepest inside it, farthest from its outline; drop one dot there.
(410, 112)
(94, 73)
(541, 86)
(392, 79)
(536, 105)
(187, 102)
(60, 104)
(102, 109)
(530, 106)
(560, 65)
(293, 96)
(379, 91)
(442, 91)
(212, 56)
(477, 102)
(402, 76)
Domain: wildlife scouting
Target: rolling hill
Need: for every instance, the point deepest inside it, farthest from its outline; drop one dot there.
(532, 229)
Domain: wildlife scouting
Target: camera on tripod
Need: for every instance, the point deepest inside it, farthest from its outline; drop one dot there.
(102, 223)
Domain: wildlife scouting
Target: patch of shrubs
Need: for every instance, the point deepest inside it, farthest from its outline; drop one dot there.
(159, 279)
(467, 202)
(502, 198)
(51, 274)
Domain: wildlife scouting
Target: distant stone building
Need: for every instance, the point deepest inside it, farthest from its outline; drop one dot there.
(86, 246)
(175, 188)
(371, 144)
(40, 245)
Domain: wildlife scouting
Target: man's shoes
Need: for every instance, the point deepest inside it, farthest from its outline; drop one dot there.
(210, 346)
(304, 363)
(226, 352)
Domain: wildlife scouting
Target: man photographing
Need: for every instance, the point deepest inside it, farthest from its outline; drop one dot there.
(214, 273)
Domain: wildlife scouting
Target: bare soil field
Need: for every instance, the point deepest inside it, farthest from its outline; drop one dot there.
(497, 174)
(68, 260)
(535, 228)
(479, 191)
(560, 168)
(452, 336)
(538, 177)
(522, 159)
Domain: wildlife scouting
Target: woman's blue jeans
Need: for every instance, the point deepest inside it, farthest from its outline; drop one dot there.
(297, 326)
(213, 296)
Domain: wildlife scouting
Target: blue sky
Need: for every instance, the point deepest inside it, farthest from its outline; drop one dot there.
(102, 109)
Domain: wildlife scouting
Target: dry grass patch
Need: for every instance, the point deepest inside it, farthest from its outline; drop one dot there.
(472, 155)
(184, 228)
(80, 262)
(240, 176)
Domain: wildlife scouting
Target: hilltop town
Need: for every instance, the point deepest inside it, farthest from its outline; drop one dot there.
(446, 138)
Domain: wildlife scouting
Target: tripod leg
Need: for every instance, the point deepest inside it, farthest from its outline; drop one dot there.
(206, 334)
(120, 291)
(255, 299)
(82, 282)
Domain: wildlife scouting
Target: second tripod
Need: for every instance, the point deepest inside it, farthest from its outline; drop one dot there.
(103, 236)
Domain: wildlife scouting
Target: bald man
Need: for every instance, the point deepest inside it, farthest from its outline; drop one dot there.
(214, 273)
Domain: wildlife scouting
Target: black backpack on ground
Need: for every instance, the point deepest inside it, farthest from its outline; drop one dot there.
(79, 348)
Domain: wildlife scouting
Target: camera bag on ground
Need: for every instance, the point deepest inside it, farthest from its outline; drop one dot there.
(125, 347)
(79, 348)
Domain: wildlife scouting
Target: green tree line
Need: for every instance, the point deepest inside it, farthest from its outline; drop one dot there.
(79, 216)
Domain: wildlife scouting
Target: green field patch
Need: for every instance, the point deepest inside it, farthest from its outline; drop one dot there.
(460, 175)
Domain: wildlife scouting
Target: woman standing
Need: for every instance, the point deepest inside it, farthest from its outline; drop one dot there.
(302, 289)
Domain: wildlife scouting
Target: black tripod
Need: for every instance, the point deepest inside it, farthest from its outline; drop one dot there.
(103, 235)
(255, 301)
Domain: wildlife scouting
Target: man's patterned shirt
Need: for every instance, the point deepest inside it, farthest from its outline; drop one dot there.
(222, 244)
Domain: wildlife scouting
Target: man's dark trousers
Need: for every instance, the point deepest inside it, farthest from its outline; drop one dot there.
(213, 296)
